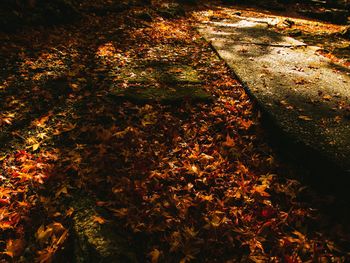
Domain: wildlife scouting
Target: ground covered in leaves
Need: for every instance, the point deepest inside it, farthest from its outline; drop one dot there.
(186, 173)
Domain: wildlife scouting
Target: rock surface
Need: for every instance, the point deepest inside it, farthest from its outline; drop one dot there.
(305, 94)
(96, 241)
(166, 82)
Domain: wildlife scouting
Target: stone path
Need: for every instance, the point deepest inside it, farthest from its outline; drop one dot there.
(305, 94)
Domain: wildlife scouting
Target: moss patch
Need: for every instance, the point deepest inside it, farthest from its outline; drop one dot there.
(171, 74)
(137, 75)
(180, 74)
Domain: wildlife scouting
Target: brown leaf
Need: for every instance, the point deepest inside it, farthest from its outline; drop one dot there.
(15, 247)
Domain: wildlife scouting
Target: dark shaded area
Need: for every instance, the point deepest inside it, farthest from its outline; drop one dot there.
(15, 14)
(331, 11)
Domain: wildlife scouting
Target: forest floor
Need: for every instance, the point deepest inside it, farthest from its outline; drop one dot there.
(134, 110)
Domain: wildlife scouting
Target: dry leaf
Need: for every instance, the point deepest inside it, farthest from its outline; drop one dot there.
(99, 220)
(15, 247)
(154, 255)
(305, 118)
(229, 141)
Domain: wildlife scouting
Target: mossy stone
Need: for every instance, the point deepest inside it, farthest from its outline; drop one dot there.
(96, 242)
(180, 74)
(170, 95)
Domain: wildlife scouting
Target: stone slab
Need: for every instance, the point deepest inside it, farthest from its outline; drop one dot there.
(159, 81)
(306, 95)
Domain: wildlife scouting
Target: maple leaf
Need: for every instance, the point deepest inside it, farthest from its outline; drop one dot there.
(229, 141)
(246, 124)
(261, 190)
(40, 122)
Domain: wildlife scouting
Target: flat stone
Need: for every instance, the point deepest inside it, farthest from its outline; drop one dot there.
(180, 74)
(95, 242)
(304, 93)
(136, 75)
(174, 74)
(162, 82)
(167, 95)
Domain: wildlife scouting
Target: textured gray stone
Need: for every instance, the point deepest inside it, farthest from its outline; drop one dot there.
(304, 93)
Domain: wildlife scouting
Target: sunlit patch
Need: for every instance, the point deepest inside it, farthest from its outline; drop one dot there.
(6, 118)
(110, 59)
(106, 49)
(164, 30)
(46, 65)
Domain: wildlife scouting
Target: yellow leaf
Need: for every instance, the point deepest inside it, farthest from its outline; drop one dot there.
(62, 190)
(35, 146)
(74, 86)
(69, 212)
(194, 169)
(327, 97)
(62, 238)
(260, 189)
(154, 255)
(42, 234)
(305, 118)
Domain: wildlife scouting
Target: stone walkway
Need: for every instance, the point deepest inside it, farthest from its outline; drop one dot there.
(305, 94)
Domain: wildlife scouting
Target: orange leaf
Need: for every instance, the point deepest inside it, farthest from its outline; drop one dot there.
(229, 141)
(14, 248)
(99, 220)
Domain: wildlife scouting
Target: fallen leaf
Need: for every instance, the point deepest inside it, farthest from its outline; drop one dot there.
(327, 97)
(304, 117)
(99, 220)
(35, 146)
(15, 247)
(229, 141)
(154, 255)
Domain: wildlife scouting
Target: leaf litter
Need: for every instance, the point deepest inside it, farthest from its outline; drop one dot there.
(191, 181)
